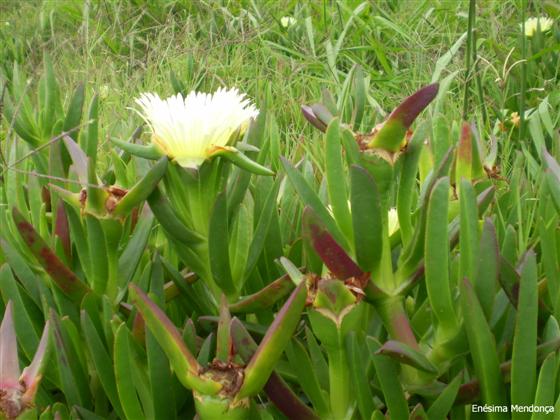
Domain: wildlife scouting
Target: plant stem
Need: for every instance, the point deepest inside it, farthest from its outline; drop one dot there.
(396, 321)
(339, 380)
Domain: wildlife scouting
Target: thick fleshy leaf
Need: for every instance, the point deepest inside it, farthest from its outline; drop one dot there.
(185, 365)
(413, 252)
(407, 182)
(218, 246)
(366, 218)
(469, 229)
(336, 179)
(79, 159)
(62, 230)
(387, 373)
(142, 189)
(487, 267)
(405, 354)
(260, 235)
(131, 255)
(524, 354)
(483, 349)
(544, 395)
(102, 361)
(444, 402)
(264, 298)
(33, 373)
(357, 360)
(436, 258)
(150, 151)
(277, 390)
(310, 116)
(311, 199)
(161, 380)
(296, 276)
(223, 336)
(166, 216)
(272, 345)
(307, 377)
(73, 378)
(244, 162)
(391, 135)
(123, 375)
(332, 254)
(9, 362)
(62, 276)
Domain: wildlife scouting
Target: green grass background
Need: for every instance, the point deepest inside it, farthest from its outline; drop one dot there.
(122, 48)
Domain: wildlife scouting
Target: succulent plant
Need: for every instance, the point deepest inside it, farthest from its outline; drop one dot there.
(392, 275)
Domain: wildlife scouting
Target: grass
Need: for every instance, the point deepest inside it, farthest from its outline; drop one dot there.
(123, 48)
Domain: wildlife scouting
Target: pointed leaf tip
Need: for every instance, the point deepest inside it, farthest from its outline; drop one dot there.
(310, 116)
(412, 106)
(332, 254)
(272, 345)
(33, 373)
(9, 364)
(184, 364)
(391, 135)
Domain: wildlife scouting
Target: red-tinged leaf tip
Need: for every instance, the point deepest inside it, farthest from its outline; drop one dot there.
(310, 116)
(32, 374)
(152, 313)
(272, 345)
(62, 276)
(9, 364)
(391, 135)
(412, 106)
(332, 254)
(185, 365)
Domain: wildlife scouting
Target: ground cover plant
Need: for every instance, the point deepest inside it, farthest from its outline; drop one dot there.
(267, 210)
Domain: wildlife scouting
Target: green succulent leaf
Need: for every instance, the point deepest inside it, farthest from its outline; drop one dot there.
(264, 298)
(141, 190)
(524, 355)
(123, 368)
(277, 390)
(483, 350)
(62, 276)
(387, 373)
(332, 254)
(218, 245)
(272, 345)
(403, 353)
(184, 364)
(366, 218)
(391, 135)
(150, 152)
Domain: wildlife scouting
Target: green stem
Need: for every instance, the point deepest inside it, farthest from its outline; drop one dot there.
(396, 320)
(339, 380)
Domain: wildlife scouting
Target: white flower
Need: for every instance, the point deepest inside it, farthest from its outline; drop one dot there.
(190, 130)
(532, 24)
(393, 221)
(287, 21)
